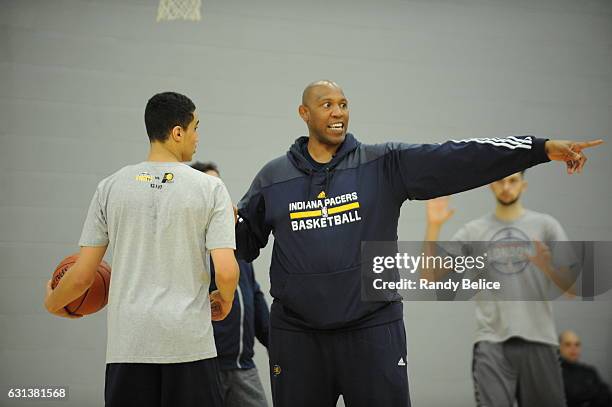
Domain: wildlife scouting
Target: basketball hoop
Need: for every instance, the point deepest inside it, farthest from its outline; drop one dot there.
(179, 10)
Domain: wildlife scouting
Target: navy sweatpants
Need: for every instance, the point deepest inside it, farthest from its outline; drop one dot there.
(189, 384)
(367, 366)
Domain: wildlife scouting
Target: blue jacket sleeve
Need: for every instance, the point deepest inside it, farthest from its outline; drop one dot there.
(252, 231)
(262, 315)
(426, 171)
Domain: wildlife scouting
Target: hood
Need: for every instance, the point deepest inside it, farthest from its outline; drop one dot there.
(296, 156)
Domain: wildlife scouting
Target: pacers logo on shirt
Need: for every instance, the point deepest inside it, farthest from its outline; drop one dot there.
(155, 182)
(168, 178)
(276, 369)
(324, 212)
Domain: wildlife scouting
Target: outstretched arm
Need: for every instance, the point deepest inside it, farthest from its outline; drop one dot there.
(427, 171)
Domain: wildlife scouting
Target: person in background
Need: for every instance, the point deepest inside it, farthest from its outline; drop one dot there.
(235, 335)
(583, 386)
(515, 350)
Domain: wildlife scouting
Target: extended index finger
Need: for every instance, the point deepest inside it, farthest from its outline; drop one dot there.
(587, 144)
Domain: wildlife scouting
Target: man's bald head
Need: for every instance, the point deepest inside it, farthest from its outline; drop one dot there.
(313, 90)
(570, 347)
(325, 111)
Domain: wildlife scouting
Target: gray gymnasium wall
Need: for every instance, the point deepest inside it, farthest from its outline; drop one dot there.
(75, 75)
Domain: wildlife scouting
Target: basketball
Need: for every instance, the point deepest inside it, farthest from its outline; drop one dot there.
(96, 297)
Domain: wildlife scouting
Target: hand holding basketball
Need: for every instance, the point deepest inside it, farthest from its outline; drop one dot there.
(92, 300)
(62, 311)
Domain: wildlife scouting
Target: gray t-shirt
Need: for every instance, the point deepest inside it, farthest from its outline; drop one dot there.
(500, 320)
(160, 220)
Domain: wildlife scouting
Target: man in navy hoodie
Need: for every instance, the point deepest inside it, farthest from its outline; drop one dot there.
(322, 199)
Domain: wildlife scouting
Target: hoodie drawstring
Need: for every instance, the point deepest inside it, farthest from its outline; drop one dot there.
(328, 175)
(310, 179)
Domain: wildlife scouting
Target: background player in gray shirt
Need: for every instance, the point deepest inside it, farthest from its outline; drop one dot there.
(161, 219)
(516, 341)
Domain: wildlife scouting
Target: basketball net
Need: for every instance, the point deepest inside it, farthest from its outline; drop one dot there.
(179, 10)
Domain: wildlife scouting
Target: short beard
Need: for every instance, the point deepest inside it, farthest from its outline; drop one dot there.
(512, 202)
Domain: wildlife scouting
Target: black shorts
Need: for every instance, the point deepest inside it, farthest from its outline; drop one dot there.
(366, 366)
(160, 385)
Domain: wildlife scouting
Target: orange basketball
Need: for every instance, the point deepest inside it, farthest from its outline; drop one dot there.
(96, 297)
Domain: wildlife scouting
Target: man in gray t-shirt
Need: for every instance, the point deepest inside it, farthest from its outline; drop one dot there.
(515, 343)
(162, 220)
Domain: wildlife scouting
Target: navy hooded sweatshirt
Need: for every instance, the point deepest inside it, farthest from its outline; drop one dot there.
(320, 214)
